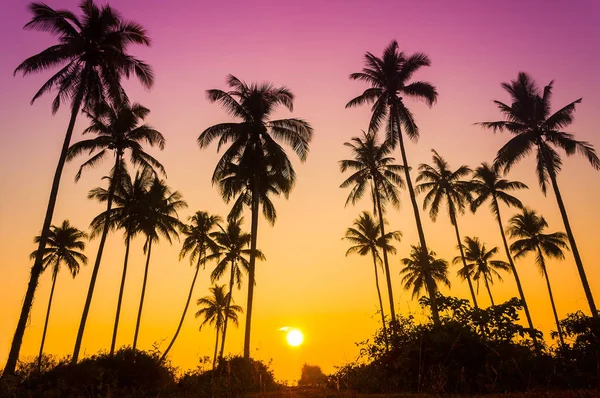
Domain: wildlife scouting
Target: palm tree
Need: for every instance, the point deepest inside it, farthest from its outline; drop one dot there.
(126, 213)
(365, 238)
(388, 78)
(117, 130)
(372, 166)
(254, 154)
(422, 271)
(534, 127)
(232, 252)
(215, 312)
(158, 217)
(480, 264)
(197, 244)
(92, 54)
(441, 183)
(528, 228)
(65, 245)
(488, 184)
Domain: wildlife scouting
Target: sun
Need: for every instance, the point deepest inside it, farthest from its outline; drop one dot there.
(294, 337)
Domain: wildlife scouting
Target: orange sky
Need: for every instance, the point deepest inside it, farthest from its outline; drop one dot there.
(307, 281)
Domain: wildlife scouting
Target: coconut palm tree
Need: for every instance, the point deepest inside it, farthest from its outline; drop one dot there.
(233, 252)
(214, 311)
(487, 184)
(528, 228)
(65, 245)
(366, 238)
(480, 263)
(254, 153)
(389, 81)
(93, 57)
(117, 130)
(158, 216)
(422, 271)
(372, 167)
(535, 128)
(441, 184)
(126, 213)
(198, 244)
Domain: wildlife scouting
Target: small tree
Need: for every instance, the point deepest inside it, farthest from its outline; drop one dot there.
(312, 375)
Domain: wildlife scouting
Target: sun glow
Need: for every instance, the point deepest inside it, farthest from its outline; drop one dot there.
(294, 337)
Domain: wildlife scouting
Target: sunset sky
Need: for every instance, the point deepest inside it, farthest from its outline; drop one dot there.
(311, 47)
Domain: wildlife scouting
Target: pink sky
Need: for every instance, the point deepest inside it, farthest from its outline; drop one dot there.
(311, 47)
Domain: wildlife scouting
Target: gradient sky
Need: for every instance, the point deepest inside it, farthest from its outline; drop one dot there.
(310, 46)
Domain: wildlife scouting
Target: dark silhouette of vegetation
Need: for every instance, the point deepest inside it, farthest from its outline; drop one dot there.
(535, 128)
(92, 54)
(423, 270)
(312, 375)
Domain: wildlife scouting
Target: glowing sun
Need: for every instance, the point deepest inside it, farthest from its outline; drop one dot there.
(294, 337)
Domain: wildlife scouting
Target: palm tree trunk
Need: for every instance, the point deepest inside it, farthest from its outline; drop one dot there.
(558, 328)
(187, 304)
(487, 286)
(462, 255)
(47, 316)
(88, 301)
(120, 300)
(580, 269)
(139, 315)
(385, 334)
(514, 272)
(413, 200)
(36, 270)
(385, 256)
(216, 347)
(227, 310)
(251, 271)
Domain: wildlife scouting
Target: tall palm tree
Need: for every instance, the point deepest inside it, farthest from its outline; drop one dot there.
(388, 78)
(214, 311)
(158, 217)
(535, 128)
(422, 271)
(92, 54)
(441, 183)
(373, 167)
(528, 228)
(488, 184)
(366, 239)
(254, 153)
(117, 130)
(126, 213)
(65, 245)
(233, 252)
(198, 244)
(480, 264)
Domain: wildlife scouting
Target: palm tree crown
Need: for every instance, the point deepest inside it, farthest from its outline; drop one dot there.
(65, 244)
(420, 267)
(366, 239)
(487, 184)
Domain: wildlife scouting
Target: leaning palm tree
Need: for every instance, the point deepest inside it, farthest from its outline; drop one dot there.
(214, 311)
(423, 271)
(118, 130)
(92, 54)
(535, 128)
(373, 168)
(158, 216)
(65, 245)
(441, 184)
(233, 252)
(528, 228)
(480, 264)
(253, 152)
(366, 238)
(388, 78)
(488, 184)
(198, 244)
(128, 199)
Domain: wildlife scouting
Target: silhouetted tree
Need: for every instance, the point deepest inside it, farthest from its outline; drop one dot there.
(388, 78)
(373, 167)
(92, 55)
(535, 128)
(424, 271)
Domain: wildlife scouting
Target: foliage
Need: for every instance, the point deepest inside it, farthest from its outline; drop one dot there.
(311, 375)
